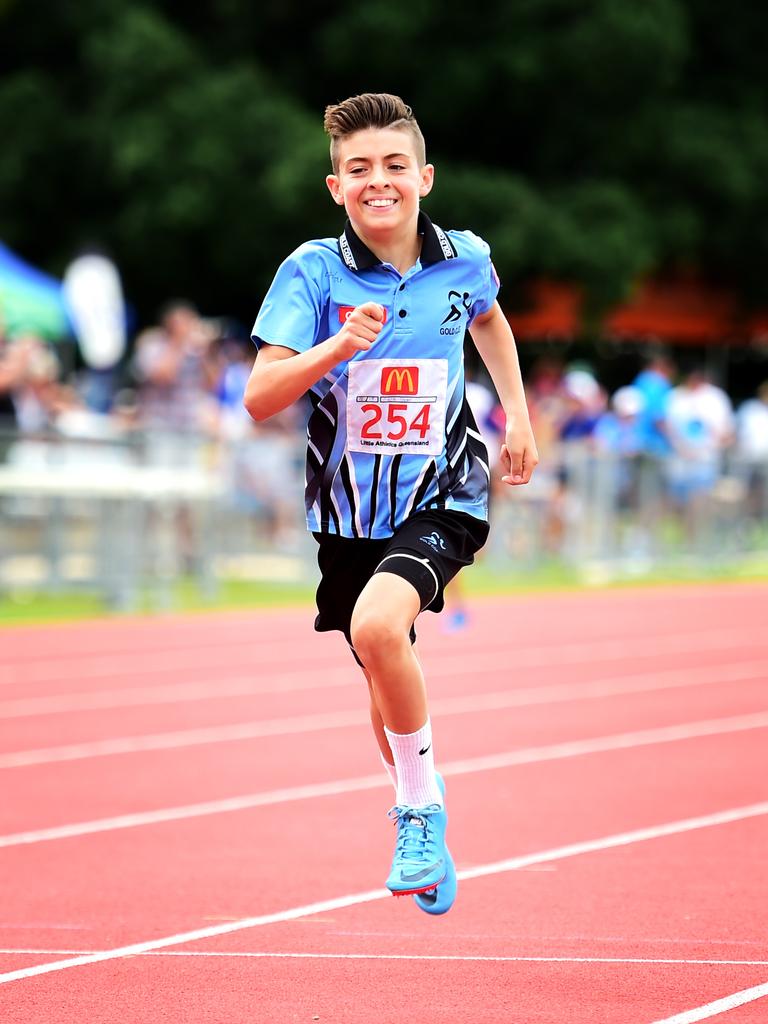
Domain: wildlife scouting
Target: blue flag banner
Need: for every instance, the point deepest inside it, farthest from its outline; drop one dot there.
(31, 301)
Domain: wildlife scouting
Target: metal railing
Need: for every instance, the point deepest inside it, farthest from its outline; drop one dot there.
(132, 514)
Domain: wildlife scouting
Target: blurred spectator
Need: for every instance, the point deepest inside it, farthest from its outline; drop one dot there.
(619, 439)
(544, 382)
(699, 425)
(752, 449)
(585, 402)
(37, 394)
(176, 369)
(547, 405)
(544, 390)
(571, 404)
(655, 385)
(46, 410)
(11, 367)
(234, 370)
(261, 459)
(619, 429)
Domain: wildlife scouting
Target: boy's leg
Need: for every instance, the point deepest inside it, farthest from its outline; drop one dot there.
(380, 632)
(414, 567)
(377, 722)
(381, 623)
(372, 591)
(441, 898)
(346, 568)
(381, 638)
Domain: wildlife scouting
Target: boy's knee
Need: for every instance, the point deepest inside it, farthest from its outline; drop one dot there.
(374, 637)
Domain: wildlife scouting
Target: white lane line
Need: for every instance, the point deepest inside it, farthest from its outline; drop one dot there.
(140, 662)
(487, 656)
(185, 738)
(652, 961)
(294, 913)
(227, 805)
(174, 693)
(285, 682)
(747, 995)
(475, 703)
(488, 762)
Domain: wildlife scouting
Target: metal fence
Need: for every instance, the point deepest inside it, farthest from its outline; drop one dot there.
(128, 516)
(609, 515)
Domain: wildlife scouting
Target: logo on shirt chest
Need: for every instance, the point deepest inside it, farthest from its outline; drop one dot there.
(460, 303)
(346, 311)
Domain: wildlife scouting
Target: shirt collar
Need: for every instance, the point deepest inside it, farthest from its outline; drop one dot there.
(436, 246)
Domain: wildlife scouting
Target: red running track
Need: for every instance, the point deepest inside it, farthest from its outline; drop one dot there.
(194, 823)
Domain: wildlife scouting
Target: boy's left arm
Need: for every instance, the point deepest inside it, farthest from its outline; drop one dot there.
(495, 343)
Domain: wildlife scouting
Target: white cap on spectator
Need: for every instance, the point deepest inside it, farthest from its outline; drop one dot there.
(582, 386)
(628, 401)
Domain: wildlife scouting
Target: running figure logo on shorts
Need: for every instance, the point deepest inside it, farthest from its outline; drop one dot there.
(434, 540)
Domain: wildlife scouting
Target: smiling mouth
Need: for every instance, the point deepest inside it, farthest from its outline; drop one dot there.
(380, 204)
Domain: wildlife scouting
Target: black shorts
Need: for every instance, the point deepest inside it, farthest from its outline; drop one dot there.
(427, 550)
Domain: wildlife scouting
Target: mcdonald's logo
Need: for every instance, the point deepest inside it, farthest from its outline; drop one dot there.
(400, 380)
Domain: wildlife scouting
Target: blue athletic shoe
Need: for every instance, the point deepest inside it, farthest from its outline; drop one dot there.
(456, 621)
(421, 859)
(440, 899)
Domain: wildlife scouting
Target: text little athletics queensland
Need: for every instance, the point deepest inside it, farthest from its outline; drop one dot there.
(364, 443)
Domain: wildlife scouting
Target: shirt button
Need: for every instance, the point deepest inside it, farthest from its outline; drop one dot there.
(401, 288)
(402, 313)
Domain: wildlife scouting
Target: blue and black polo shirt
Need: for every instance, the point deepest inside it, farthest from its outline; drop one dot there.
(390, 432)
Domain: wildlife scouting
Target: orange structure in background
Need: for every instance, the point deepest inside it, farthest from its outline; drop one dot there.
(677, 312)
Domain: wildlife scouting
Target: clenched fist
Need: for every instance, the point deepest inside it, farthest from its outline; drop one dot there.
(360, 330)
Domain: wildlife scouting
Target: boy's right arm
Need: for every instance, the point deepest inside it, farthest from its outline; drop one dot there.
(280, 375)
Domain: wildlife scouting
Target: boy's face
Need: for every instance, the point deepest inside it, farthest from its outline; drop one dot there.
(379, 181)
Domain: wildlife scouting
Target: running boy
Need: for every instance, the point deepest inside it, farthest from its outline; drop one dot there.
(372, 325)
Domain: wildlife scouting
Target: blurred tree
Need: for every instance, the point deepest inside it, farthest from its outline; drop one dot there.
(594, 142)
(196, 176)
(213, 167)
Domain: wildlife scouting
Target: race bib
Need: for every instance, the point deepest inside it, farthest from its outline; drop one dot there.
(397, 406)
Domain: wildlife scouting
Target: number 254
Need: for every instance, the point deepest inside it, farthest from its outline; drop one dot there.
(394, 419)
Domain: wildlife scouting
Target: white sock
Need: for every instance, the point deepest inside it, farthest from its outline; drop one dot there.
(391, 770)
(415, 764)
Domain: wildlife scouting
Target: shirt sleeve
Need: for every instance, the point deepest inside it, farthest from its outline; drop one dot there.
(489, 280)
(292, 310)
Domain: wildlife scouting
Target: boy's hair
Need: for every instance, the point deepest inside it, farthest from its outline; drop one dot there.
(371, 110)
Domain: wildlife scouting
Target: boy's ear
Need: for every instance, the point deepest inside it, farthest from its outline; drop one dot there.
(334, 187)
(427, 180)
